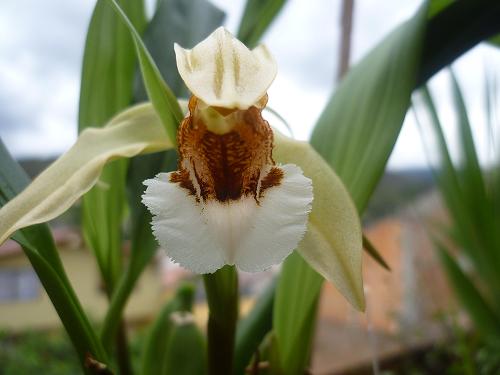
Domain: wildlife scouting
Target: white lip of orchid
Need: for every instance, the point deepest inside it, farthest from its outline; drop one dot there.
(223, 72)
(228, 203)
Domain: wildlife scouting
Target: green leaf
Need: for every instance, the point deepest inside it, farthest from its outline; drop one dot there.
(108, 63)
(355, 135)
(294, 314)
(103, 210)
(495, 40)
(143, 244)
(360, 124)
(484, 317)
(40, 249)
(160, 94)
(221, 289)
(154, 359)
(107, 78)
(253, 328)
(373, 252)
(454, 30)
(136, 130)
(470, 198)
(436, 6)
(256, 18)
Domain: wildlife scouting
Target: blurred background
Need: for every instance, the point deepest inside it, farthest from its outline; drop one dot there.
(412, 316)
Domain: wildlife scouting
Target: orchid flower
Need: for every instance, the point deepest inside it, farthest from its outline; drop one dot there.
(229, 202)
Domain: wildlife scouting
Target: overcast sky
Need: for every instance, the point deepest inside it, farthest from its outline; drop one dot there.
(41, 47)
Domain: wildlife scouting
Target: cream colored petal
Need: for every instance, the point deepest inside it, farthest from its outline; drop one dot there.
(333, 242)
(223, 72)
(180, 227)
(133, 131)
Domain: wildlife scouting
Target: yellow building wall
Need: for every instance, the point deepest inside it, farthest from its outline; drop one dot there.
(81, 268)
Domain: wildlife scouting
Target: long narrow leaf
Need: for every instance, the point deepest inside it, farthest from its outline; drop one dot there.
(107, 81)
(160, 94)
(483, 316)
(137, 130)
(40, 249)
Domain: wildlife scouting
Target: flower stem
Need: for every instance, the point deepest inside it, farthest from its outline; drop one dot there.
(123, 355)
(222, 295)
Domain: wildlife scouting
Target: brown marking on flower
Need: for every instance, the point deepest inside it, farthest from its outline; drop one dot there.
(226, 166)
(273, 178)
(182, 177)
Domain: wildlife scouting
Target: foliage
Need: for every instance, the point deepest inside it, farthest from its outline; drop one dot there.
(354, 136)
(470, 193)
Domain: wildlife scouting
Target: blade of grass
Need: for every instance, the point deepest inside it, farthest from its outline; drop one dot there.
(484, 317)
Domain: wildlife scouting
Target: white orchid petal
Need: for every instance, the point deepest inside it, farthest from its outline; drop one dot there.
(204, 236)
(279, 224)
(223, 72)
(179, 227)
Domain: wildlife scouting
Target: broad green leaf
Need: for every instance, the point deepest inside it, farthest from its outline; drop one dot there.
(107, 80)
(253, 328)
(157, 340)
(256, 18)
(454, 30)
(486, 320)
(103, 210)
(360, 124)
(160, 94)
(332, 244)
(221, 288)
(108, 63)
(136, 130)
(40, 249)
(355, 135)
